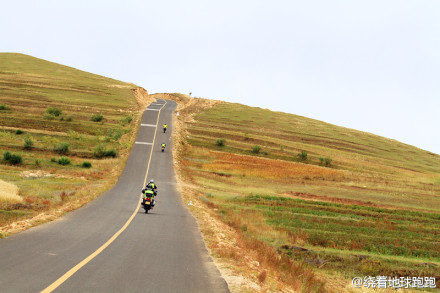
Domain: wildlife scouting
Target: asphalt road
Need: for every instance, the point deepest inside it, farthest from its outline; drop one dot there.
(157, 252)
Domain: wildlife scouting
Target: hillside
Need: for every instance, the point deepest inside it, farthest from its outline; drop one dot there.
(308, 205)
(46, 113)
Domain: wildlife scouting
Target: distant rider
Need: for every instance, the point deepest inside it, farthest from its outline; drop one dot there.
(165, 126)
(162, 146)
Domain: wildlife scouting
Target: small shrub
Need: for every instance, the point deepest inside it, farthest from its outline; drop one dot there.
(12, 158)
(6, 156)
(220, 142)
(28, 143)
(126, 119)
(256, 149)
(18, 132)
(53, 160)
(64, 161)
(100, 152)
(62, 148)
(327, 162)
(4, 107)
(110, 153)
(53, 111)
(97, 117)
(86, 164)
(302, 156)
(37, 163)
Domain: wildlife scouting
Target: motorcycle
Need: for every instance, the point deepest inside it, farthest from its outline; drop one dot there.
(163, 148)
(147, 203)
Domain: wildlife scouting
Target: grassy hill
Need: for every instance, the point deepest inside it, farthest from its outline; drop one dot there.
(46, 113)
(315, 197)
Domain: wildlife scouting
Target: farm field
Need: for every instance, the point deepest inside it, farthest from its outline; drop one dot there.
(71, 130)
(336, 202)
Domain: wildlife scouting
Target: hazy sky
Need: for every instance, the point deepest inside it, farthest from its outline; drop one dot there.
(369, 65)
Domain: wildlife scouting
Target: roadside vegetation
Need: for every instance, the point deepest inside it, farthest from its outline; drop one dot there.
(52, 148)
(332, 202)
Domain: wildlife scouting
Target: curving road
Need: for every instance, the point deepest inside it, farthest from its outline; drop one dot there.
(110, 245)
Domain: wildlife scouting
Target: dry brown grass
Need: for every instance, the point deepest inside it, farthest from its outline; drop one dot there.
(243, 241)
(142, 97)
(268, 168)
(292, 274)
(9, 193)
(248, 265)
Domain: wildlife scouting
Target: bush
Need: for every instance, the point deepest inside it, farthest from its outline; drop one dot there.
(327, 162)
(28, 143)
(126, 120)
(110, 153)
(101, 152)
(15, 160)
(53, 111)
(37, 163)
(86, 164)
(53, 160)
(61, 148)
(12, 158)
(256, 149)
(64, 161)
(220, 142)
(4, 107)
(302, 156)
(97, 117)
(18, 132)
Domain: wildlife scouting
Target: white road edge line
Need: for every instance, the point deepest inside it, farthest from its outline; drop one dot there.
(149, 125)
(143, 142)
(148, 109)
(82, 263)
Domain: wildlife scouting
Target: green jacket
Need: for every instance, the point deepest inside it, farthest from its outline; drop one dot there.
(147, 193)
(152, 185)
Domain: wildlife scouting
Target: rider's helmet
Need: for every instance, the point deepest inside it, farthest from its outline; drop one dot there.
(151, 181)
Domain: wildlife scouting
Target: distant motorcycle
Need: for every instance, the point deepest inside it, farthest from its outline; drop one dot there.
(162, 147)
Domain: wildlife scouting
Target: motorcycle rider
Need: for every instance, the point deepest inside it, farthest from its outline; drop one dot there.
(147, 192)
(163, 145)
(151, 185)
(165, 126)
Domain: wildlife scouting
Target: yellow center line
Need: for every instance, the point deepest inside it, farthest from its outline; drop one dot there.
(82, 263)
